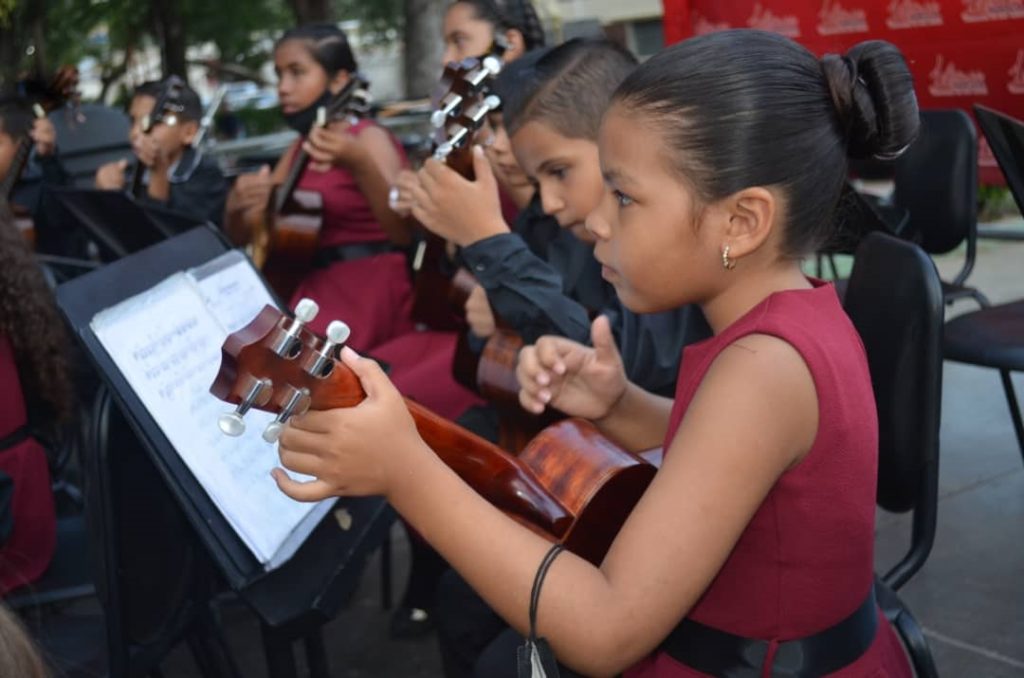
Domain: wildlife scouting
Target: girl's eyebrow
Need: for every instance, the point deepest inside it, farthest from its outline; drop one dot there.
(548, 163)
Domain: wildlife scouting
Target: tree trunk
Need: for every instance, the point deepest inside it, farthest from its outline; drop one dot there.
(423, 46)
(10, 54)
(311, 11)
(169, 28)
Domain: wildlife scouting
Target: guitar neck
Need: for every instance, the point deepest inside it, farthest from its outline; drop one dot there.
(17, 167)
(284, 194)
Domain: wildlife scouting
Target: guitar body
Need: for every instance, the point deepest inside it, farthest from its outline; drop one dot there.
(284, 243)
(570, 483)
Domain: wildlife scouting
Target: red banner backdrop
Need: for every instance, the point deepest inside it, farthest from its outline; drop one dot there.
(961, 52)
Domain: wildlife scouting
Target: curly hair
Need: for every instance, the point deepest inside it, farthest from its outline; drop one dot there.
(29, 320)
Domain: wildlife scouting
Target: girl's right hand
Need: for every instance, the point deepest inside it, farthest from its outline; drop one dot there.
(400, 198)
(578, 380)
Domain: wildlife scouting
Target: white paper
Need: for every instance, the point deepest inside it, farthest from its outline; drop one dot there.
(167, 344)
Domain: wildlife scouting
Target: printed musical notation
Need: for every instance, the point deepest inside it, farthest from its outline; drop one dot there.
(167, 344)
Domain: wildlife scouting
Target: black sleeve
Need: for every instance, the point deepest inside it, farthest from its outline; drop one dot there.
(525, 291)
(203, 195)
(652, 344)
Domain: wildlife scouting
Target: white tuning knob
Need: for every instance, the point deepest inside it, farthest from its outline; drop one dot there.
(338, 332)
(273, 431)
(492, 64)
(492, 102)
(306, 310)
(231, 423)
(437, 118)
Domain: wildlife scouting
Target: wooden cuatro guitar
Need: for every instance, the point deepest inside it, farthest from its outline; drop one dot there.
(570, 483)
(286, 235)
(461, 104)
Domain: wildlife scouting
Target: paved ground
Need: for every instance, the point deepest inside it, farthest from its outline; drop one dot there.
(969, 596)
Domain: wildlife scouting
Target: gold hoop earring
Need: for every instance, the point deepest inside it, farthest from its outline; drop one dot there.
(727, 263)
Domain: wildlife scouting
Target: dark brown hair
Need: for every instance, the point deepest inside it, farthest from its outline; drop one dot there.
(503, 15)
(568, 87)
(746, 108)
(29, 320)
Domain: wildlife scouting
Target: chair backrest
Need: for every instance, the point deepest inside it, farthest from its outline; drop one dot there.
(90, 137)
(894, 299)
(936, 181)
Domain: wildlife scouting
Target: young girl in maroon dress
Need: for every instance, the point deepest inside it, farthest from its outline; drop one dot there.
(751, 551)
(358, 278)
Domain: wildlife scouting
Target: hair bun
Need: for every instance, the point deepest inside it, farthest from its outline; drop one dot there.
(873, 94)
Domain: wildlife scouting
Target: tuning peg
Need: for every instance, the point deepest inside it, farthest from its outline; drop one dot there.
(306, 310)
(443, 150)
(447, 107)
(231, 423)
(337, 333)
(287, 345)
(492, 102)
(492, 64)
(297, 404)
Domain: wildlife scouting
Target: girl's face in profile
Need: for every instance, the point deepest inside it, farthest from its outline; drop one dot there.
(465, 35)
(650, 234)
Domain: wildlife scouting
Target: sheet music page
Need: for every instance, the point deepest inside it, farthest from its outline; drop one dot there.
(166, 342)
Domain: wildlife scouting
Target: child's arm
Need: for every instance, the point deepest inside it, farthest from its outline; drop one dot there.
(731, 447)
(372, 159)
(249, 197)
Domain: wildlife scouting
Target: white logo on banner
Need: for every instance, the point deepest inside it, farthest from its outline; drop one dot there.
(703, 25)
(992, 10)
(949, 81)
(911, 14)
(764, 20)
(1016, 72)
(835, 20)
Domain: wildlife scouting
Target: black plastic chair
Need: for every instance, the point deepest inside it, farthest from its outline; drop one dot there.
(894, 299)
(936, 182)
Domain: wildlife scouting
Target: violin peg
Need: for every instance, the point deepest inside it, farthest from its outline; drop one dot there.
(338, 332)
(306, 310)
(231, 423)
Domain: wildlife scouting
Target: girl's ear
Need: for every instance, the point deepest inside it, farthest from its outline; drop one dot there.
(339, 81)
(516, 45)
(749, 220)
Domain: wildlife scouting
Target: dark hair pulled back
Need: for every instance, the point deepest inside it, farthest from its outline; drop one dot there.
(745, 108)
(327, 44)
(516, 15)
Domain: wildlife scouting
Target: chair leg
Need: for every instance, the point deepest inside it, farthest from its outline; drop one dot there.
(280, 654)
(917, 645)
(1011, 400)
(316, 655)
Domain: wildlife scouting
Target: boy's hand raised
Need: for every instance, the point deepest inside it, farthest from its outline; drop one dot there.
(110, 176)
(455, 208)
(576, 379)
(45, 137)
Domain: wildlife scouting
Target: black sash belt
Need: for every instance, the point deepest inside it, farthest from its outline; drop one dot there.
(14, 437)
(720, 653)
(325, 256)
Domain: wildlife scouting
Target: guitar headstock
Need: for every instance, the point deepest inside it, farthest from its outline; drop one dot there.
(168, 105)
(461, 106)
(353, 101)
(276, 364)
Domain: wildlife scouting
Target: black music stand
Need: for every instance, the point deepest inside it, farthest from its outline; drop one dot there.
(293, 601)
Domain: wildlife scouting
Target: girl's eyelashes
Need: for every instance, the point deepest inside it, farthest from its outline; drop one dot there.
(558, 172)
(621, 198)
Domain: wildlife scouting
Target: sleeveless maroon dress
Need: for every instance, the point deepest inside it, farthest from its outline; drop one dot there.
(27, 552)
(374, 296)
(804, 562)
